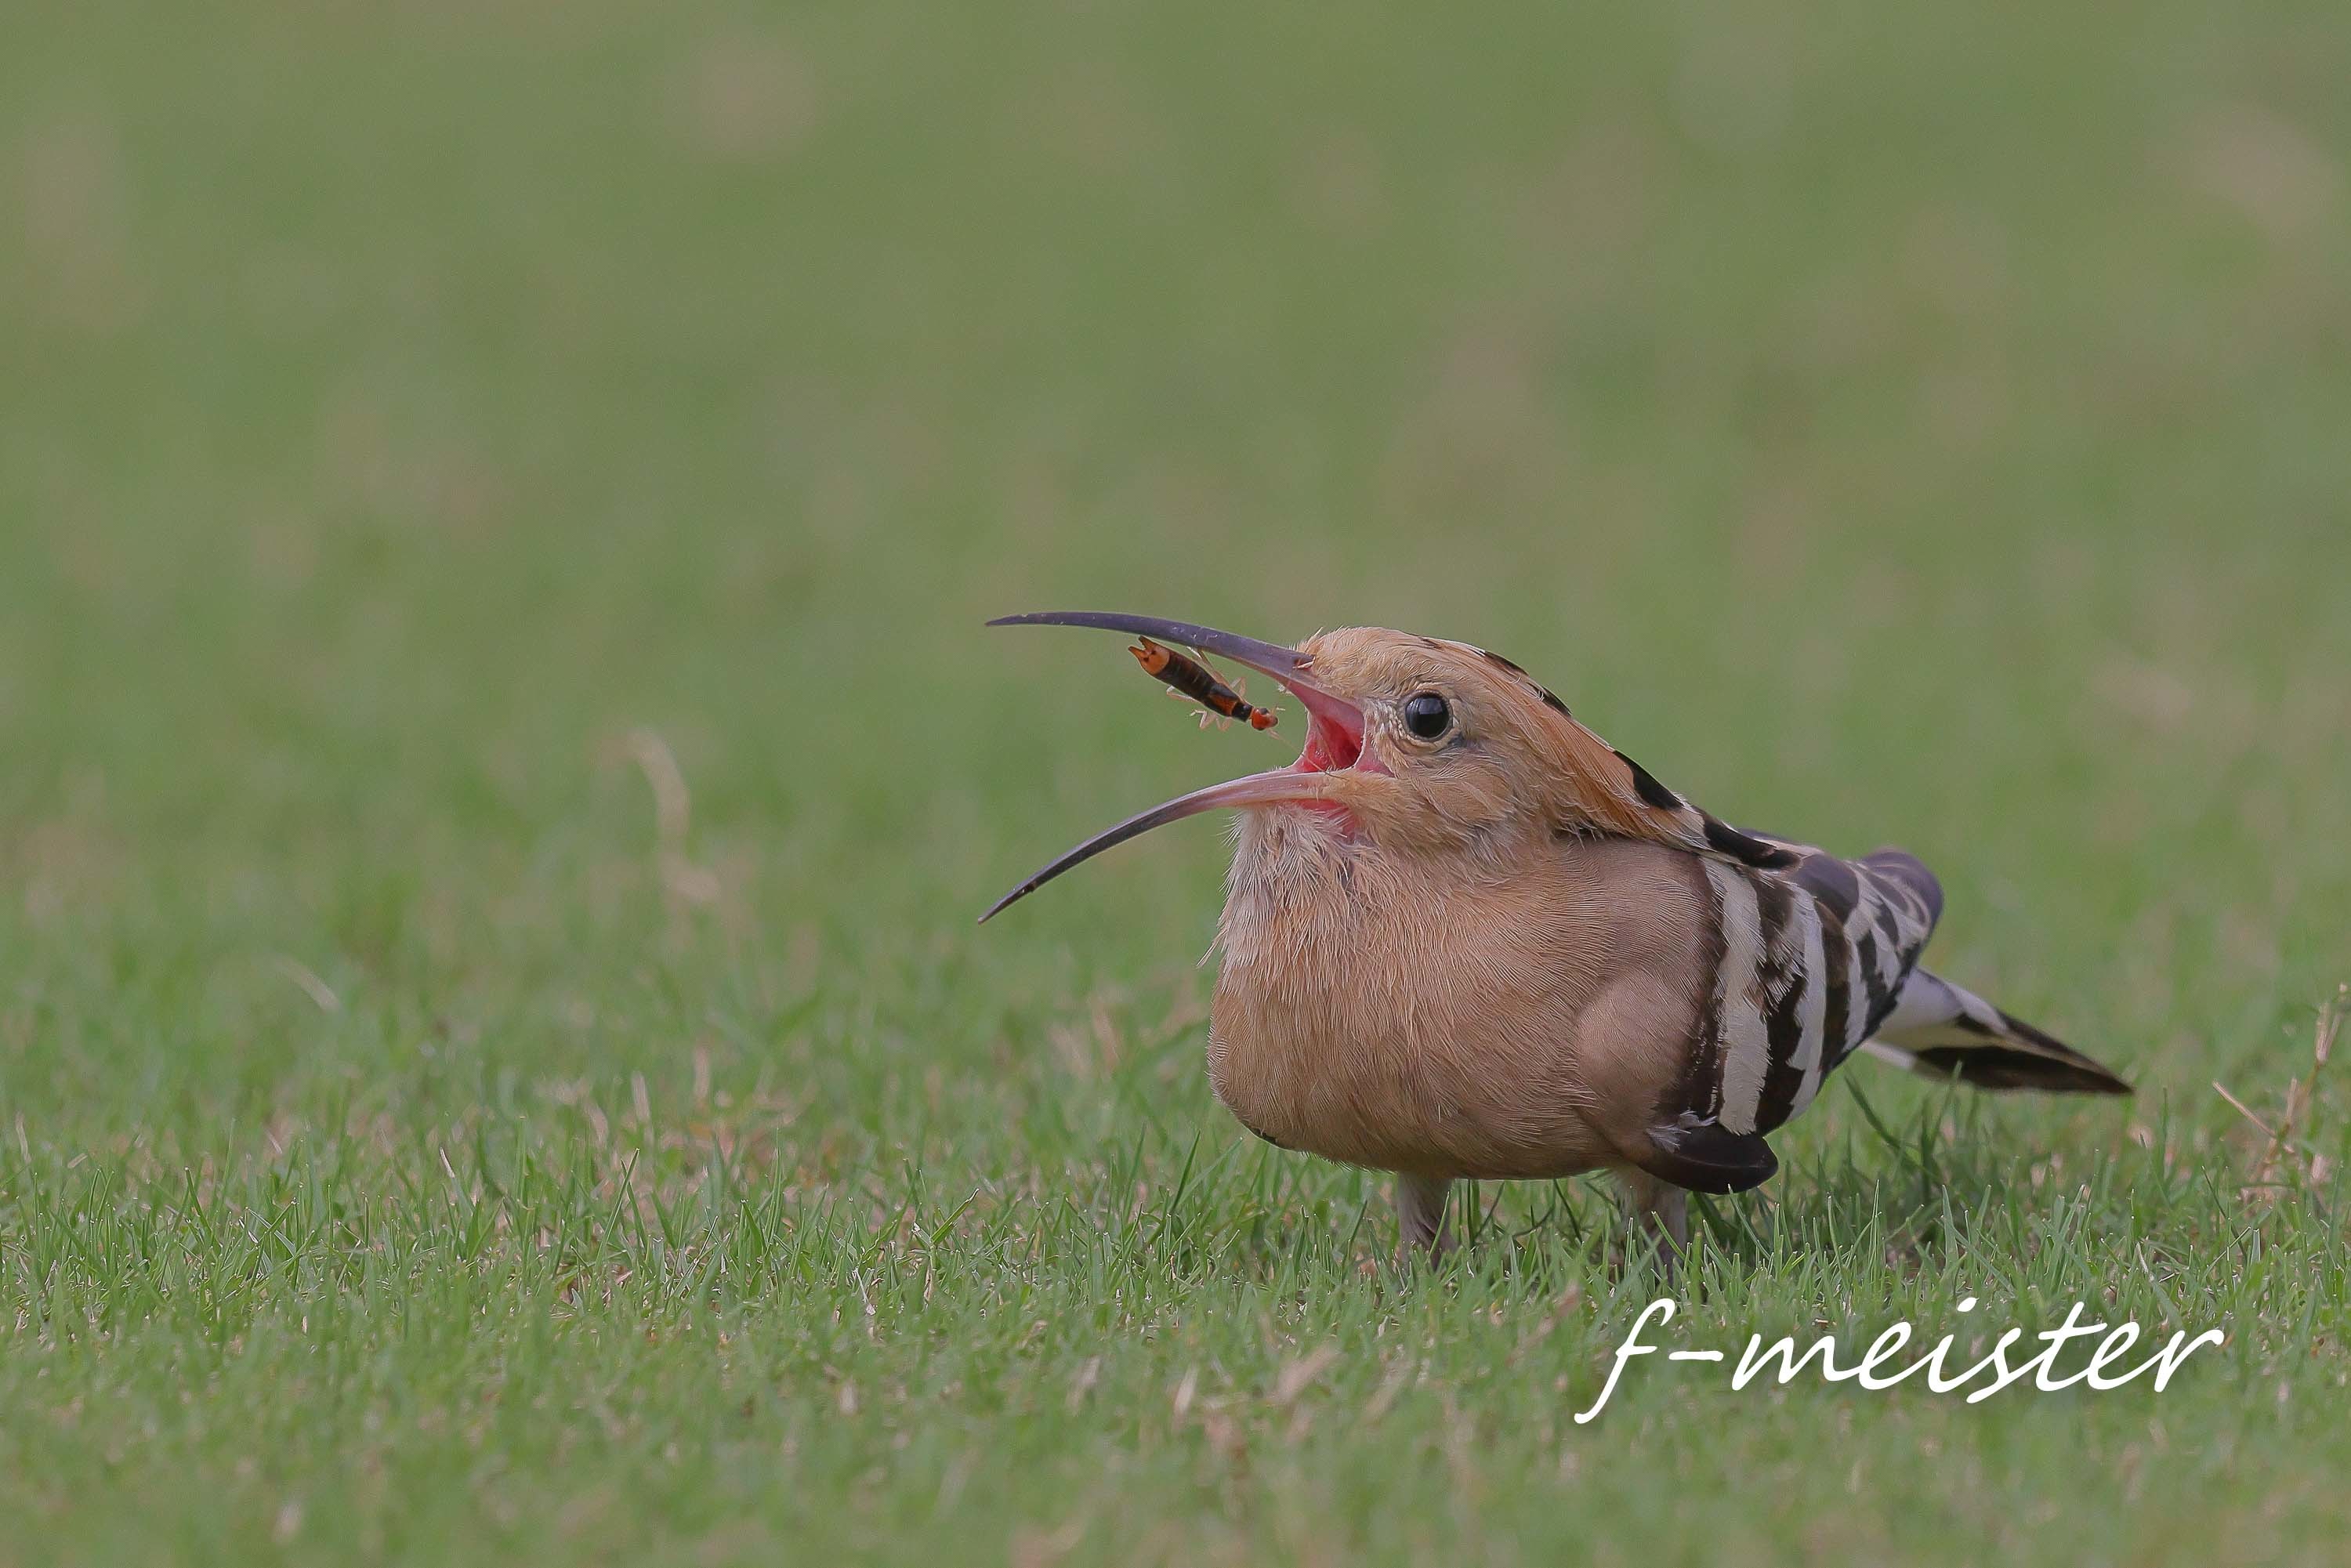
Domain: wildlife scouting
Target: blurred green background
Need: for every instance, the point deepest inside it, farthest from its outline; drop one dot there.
(425, 427)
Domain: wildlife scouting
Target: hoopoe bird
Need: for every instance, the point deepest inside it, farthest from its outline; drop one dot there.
(1466, 938)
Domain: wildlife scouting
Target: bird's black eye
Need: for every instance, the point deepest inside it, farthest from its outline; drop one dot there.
(1426, 715)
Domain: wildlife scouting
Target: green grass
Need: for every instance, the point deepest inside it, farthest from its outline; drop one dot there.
(420, 426)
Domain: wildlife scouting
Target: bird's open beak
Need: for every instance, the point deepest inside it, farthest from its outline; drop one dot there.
(1335, 739)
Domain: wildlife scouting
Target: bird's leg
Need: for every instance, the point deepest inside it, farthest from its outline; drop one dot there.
(1420, 1217)
(1660, 1212)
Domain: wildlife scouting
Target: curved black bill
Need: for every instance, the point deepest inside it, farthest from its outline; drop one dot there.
(1287, 666)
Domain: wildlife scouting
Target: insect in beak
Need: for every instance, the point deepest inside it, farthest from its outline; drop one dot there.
(1190, 680)
(1334, 739)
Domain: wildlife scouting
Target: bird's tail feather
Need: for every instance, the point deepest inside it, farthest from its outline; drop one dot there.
(1942, 1030)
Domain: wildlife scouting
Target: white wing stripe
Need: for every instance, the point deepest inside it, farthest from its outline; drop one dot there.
(1811, 1056)
(1746, 1044)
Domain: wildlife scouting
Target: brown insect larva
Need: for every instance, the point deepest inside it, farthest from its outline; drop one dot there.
(1190, 678)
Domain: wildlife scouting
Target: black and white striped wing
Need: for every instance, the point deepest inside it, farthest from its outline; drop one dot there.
(1807, 958)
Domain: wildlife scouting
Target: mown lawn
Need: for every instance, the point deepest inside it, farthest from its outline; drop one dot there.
(498, 759)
